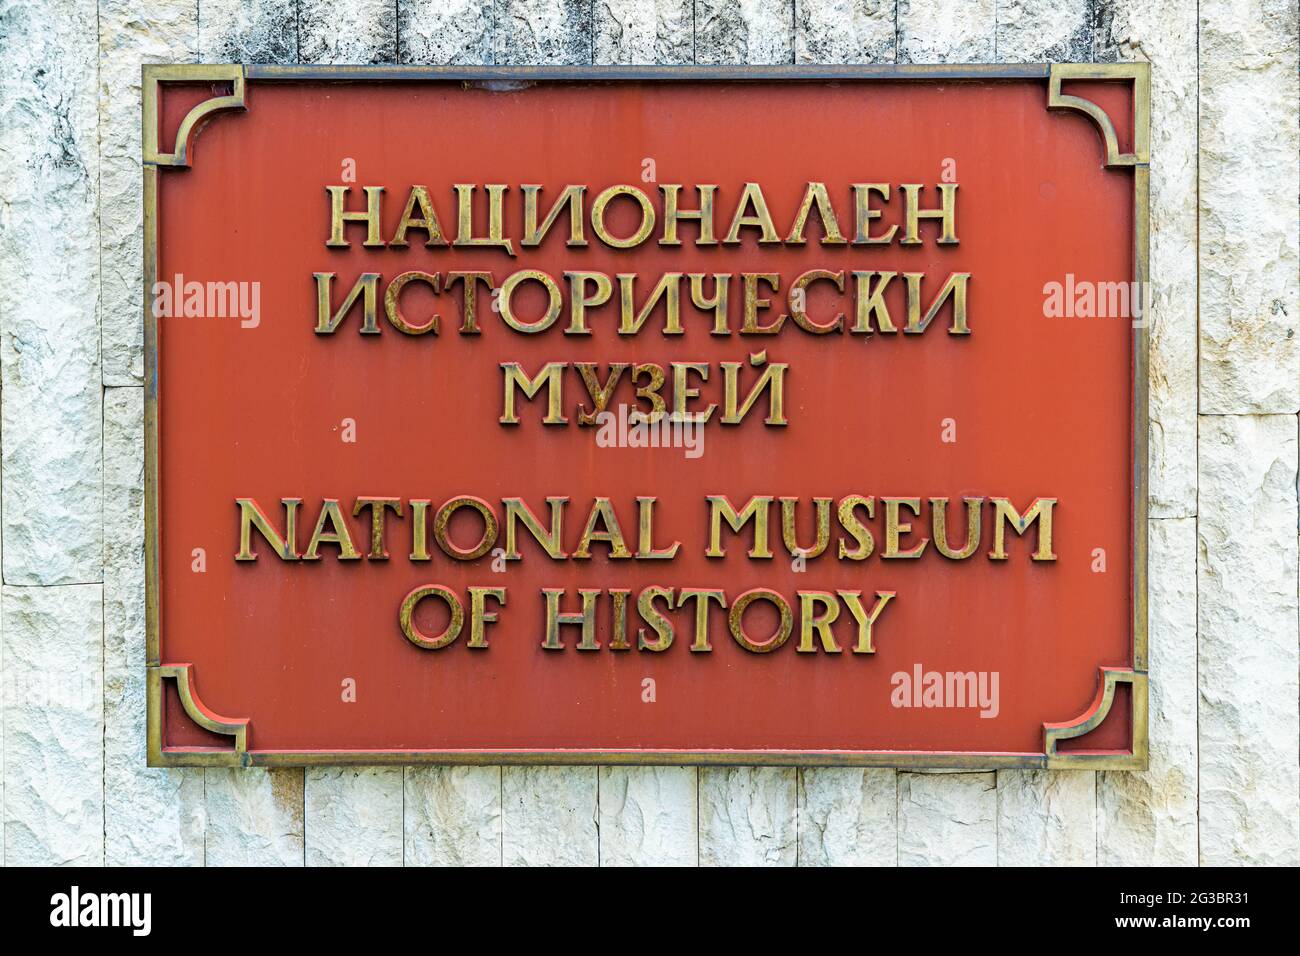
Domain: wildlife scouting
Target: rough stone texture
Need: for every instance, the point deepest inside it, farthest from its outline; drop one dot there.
(50, 407)
(1163, 33)
(755, 32)
(1039, 31)
(354, 816)
(1149, 819)
(248, 31)
(152, 817)
(442, 32)
(1246, 579)
(848, 817)
(1249, 179)
(255, 817)
(748, 816)
(128, 37)
(453, 816)
(649, 816)
(549, 816)
(1047, 818)
(947, 819)
(844, 31)
(946, 31)
(643, 31)
(53, 725)
(347, 31)
(542, 32)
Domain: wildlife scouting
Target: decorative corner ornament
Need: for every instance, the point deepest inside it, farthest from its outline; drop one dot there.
(1140, 76)
(154, 75)
(197, 711)
(1094, 717)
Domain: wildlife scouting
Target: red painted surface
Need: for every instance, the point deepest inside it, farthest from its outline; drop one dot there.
(1042, 409)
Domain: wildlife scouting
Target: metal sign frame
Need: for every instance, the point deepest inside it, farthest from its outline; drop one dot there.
(155, 162)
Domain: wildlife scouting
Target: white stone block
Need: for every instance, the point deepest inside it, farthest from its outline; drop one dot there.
(947, 819)
(848, 817)
(254, 816)
(1047, 818)
(453, 816)
(248, 31)
(946, 31)
(549, 816)
(844, 31)
(748, 816)
(347, 31)
(1249, 179)
(50, 407)
(442, 32)
(542, 32)
(754, 32)
(1247, 665)
(53, 725)
(643, 31)
(649, 816)
(1044, 31)
(353, 816)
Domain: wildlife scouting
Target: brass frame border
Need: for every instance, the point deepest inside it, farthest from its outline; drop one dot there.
(1055, 74)
(200, 114)
(194, 708)
(1093, 718)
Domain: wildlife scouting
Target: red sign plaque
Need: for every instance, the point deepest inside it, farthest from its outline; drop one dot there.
(665, 416)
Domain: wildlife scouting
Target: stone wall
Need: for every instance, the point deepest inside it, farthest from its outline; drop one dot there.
(1225, 378)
